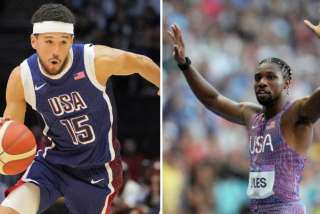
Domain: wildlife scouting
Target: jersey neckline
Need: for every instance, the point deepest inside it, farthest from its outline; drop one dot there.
(65, 70)
(285, 108)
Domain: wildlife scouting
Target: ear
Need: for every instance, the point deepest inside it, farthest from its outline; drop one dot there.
(286, 83)
(33, 41)
(72, 37)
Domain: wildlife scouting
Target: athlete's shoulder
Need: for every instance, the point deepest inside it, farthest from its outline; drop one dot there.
(15, 86)
(16, 72)
(106, 53)
(249, 111)
(294, 116)
(296, 105)
(249, 106)
(301, 100)
(297, 111)
(108, 60)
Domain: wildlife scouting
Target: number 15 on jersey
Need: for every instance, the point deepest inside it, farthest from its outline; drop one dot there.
(80, 133)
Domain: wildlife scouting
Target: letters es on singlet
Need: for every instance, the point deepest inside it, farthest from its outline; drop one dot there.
(261, 181)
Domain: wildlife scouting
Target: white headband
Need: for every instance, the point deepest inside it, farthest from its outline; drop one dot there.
(52, 27)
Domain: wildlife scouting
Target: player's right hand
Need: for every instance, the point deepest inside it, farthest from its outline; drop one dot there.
(4, 119)
(178, 47)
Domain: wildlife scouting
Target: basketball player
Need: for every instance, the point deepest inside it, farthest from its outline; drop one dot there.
(280, 131)
(69, 86)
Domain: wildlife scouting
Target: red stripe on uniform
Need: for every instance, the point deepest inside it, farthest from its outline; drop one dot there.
(10, 189)
(111, 197)
(116, 167)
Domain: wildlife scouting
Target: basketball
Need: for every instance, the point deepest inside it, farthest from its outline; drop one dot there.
(17, 148)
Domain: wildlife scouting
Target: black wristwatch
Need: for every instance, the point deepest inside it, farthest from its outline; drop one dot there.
(186, 65)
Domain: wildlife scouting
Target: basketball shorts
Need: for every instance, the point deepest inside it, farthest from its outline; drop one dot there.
(291, 207)
(84, 190)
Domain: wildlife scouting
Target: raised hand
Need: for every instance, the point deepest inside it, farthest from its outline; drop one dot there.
(316, 29)
(178, 47)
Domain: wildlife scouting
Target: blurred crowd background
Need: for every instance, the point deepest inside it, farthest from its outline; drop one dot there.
(130, 25)
(205, 158)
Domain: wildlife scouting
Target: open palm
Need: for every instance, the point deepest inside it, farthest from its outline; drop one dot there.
(178, 53)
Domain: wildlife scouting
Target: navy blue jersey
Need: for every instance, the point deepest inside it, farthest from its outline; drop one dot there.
(78, 114)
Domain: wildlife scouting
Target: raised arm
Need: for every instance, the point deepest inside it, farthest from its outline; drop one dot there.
(310, 106)
(16, 104)
(240, 113)
(110, 61)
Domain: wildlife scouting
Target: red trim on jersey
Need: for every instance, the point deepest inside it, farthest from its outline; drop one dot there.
(116, 167)
(111, 197)
(10, 189)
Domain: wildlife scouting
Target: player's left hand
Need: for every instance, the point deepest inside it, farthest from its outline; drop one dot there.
(316, 29)
(4, 119)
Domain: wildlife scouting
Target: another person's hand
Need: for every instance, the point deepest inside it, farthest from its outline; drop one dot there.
(4, 119)
(178, 47)
(316, 29)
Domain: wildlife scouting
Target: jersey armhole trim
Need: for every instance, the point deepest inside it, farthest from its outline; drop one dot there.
(28, 86)
(89, 65)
